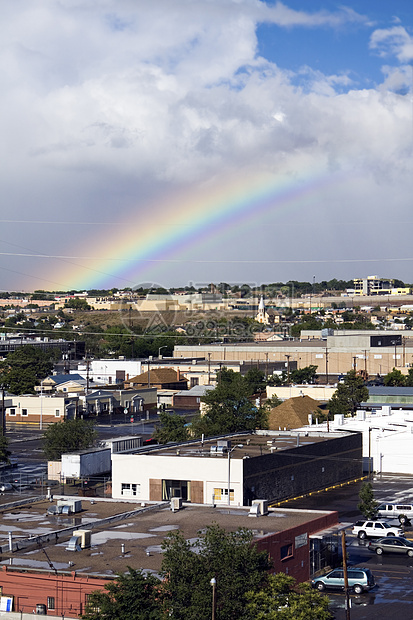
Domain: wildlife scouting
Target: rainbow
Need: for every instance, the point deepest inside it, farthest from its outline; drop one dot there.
(165, 232)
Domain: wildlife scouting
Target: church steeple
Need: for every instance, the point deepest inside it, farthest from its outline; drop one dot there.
(262, 316)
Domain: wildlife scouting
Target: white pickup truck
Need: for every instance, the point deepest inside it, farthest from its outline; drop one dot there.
(375, 529)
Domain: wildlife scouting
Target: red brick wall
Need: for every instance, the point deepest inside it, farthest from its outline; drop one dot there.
(298, 564)
(30, 588)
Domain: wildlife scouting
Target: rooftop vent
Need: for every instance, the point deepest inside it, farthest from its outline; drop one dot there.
(74, 544)
(258, 508)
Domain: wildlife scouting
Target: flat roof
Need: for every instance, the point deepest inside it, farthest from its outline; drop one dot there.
(141, 534)
(250, 444)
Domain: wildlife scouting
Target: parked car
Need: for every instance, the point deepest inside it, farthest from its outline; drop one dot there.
(403, 512)
(392, 544)
(359, 580)
(375, 529)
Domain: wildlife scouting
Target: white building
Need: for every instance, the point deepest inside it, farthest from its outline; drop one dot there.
(237, 469)
(110, 371)
(40, 410)
(387, 438)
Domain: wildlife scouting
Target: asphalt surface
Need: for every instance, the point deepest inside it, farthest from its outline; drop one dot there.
(392, 597)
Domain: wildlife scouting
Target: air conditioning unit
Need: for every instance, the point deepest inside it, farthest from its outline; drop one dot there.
(258, 508)
(176, 503)
(85, 537)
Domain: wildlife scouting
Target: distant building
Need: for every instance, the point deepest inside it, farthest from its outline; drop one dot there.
(373, 285)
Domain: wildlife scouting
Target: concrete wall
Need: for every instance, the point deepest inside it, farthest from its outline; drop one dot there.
(212, 471)
(317, 392)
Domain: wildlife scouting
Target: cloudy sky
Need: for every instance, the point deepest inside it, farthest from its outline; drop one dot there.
(189, 141)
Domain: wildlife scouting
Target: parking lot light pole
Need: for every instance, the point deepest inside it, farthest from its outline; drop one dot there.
(213, 583)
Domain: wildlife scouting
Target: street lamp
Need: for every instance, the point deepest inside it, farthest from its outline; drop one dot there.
(240, 445)
(165, 346)
(213, 583)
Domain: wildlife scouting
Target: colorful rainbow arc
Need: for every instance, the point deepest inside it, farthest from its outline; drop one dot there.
(179, 224)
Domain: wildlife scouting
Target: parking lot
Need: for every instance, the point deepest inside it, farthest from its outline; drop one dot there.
(393, 595)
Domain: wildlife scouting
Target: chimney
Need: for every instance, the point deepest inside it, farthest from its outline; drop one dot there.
(178, 374)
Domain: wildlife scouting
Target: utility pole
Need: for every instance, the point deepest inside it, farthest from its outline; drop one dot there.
(288, 368)
(346, 592)
(326, 366)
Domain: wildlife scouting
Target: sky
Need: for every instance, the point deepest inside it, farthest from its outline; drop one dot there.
(178, 143)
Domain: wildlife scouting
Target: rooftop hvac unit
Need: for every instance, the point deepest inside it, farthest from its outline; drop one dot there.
(224, 444)
(361, 415)
(339, 419)
(258, 508)
(176, 503)
(74, 505)
(85, 538)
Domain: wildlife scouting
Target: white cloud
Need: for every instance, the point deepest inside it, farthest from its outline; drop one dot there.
(107, 104)
(395, 41)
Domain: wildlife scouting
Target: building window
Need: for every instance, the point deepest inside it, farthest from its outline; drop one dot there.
(130, 490)
(222, 494)
(194, 381)
(286, 551)
(50, 602)
(12, 412)
(24, 411)
(57, 413)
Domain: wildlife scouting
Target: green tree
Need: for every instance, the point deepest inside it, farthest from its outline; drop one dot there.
(68, 436)
(230, 557)
(349, 394)
(409, 378)
(282, 599)
(367, 504)
(308, 374)
(25, 368)
(171, 427)
(229, 407)
(133, 596)
(272, 402)
(395, 378)
(255, 380)
(77, 304)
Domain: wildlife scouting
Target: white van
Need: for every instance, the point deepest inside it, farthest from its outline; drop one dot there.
(402, 512)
